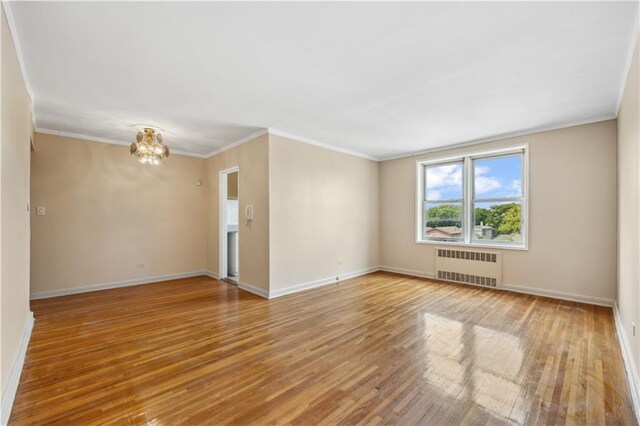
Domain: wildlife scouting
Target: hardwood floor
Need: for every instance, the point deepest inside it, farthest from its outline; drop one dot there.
(382, 348)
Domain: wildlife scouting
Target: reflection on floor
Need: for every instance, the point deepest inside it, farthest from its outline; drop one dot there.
(231, 280)
(379, 348)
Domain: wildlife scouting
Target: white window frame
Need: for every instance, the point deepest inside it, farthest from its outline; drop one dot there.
(468, 198)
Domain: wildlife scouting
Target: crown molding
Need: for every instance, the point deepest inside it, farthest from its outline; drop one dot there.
(303, 139)
(237, 143)
(635, 32)
(105, 140)
(496, 138)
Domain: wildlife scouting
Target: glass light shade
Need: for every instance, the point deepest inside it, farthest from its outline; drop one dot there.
(149, 148)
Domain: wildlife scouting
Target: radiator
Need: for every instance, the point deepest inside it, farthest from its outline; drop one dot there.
(469, 266)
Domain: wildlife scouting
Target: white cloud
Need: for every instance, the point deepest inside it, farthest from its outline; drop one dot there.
(516, 188)
(481, 170)
(444, 176)
(485, 184)
(434, 195)
(444, 182)
(449, 178)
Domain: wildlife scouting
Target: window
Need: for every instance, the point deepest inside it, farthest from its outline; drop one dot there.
(475, 199)
(443, 202)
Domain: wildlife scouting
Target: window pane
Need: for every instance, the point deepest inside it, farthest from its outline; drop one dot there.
(444, 182)
(443, 221)
(499, 222)
(498, 177)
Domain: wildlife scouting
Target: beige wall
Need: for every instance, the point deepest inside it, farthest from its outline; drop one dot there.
(323, 209)
(572, 228)
(14, 218)
(253, 160)
(629, 207)
(106, 214)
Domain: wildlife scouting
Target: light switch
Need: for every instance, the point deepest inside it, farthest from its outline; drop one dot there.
(40, 211)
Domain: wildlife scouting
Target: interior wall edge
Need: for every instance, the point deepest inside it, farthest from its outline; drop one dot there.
(253, 289)
(237, 143)
(17, 128)
(212, 274)
(628, 230)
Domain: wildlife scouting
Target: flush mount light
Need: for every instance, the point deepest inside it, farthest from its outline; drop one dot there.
(149, 148)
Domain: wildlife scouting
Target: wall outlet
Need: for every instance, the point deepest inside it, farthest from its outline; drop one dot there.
(140, 266)
(40, 211)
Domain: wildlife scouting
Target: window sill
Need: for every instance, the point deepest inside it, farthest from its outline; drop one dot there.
(474, 245)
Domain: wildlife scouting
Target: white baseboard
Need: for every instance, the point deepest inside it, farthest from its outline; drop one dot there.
(629, 364)
(572, 297)
(321, 282)
(212, 274)
(406, 271)
(10, 389)
(318, 283)
(255, 290)
(116, 284)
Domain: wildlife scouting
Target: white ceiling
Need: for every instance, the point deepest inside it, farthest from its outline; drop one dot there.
(381, 79)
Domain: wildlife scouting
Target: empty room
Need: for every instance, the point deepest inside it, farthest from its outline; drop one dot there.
(320, 213)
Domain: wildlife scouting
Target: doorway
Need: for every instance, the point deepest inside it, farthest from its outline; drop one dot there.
(229, 225)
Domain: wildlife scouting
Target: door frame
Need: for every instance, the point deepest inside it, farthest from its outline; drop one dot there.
(222, 230)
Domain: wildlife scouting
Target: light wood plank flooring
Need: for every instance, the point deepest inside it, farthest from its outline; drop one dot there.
(382, 348)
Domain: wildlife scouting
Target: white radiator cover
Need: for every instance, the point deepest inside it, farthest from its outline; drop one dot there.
(469, 266)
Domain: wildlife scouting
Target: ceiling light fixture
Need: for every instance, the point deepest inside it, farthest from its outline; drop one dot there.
(149, 148)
